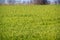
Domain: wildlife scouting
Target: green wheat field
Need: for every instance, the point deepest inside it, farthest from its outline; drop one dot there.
(29, 22)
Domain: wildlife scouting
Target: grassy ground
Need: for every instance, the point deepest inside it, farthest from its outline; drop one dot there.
(34, 22)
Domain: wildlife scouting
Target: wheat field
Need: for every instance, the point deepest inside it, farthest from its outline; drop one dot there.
(29, 22)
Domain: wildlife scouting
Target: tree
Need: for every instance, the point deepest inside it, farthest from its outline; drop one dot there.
(37, 1)
(11, 1)
(44, 1)
(59, 1)
(40, 1)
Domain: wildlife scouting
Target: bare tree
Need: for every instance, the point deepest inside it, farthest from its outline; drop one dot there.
(11, 1)
(44, 1)
(39, 1)
(59, 1)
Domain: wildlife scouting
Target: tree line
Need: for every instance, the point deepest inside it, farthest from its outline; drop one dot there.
(30, 2)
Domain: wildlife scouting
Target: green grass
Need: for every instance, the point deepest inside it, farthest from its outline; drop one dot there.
(32, 22)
